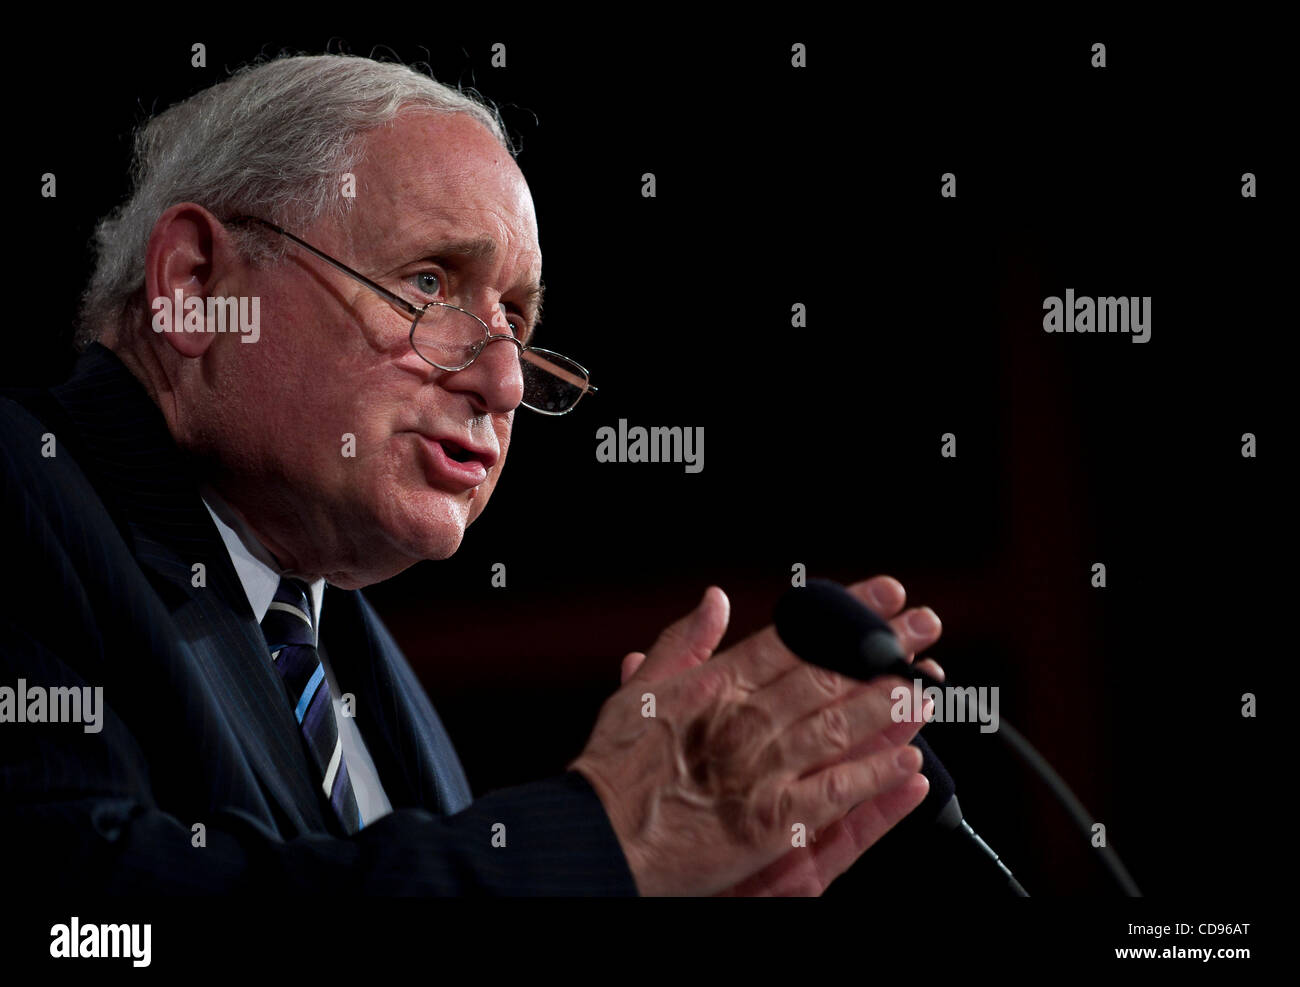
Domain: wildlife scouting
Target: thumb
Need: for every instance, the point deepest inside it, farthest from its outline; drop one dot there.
(631, 662)
(688, 642)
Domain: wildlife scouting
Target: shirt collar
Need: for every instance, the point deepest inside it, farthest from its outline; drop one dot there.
(256, 567)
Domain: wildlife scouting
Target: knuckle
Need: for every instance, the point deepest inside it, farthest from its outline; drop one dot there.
(772, 808)
(880, 771)
(835, 730)
(825, 682)
(837, 784)
(712, 682)
(768, 656)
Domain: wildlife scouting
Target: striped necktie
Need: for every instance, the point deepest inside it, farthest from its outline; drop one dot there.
(291, 638)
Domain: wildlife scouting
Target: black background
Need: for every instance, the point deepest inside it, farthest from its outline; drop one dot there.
(778, 185)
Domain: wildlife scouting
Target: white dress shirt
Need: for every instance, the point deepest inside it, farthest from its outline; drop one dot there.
(260, 577)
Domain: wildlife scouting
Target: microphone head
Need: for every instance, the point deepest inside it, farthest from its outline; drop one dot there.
(824, 624)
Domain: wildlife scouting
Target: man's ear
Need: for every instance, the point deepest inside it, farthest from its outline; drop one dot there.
(189, 252)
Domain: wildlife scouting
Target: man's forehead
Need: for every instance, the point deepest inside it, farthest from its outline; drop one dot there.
(446, 158)
(444, 176)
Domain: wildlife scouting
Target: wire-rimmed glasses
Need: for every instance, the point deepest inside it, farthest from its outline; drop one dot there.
(450, 338)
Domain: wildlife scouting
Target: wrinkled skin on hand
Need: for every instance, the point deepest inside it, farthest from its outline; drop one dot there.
(745, 744)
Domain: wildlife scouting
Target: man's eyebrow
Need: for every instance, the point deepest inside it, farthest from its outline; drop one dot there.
(475, 248)
(534, 293)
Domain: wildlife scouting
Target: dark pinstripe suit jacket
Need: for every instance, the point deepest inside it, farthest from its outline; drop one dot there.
(99, 543)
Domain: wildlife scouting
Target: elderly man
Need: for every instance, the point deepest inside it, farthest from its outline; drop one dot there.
(192, 515)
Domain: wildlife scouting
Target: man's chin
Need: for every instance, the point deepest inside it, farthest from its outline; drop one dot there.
(421, 536)
(434, 549)
(415, 525)
(394, 552)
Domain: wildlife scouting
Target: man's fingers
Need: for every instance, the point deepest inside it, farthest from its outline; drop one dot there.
(916, 629)
(895, 734)
(688, 642)
(808, 871)
(837, 848)
(859, 725)
(821, 798)
(883, 594)
(932, 668)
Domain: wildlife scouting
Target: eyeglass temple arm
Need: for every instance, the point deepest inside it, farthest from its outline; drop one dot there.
(395, 299)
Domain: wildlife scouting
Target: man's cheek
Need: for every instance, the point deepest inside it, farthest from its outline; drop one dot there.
(373, 445)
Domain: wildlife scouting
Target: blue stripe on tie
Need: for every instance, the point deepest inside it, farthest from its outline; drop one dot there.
(308, 692)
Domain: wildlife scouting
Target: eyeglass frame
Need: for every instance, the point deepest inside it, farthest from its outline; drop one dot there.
(418, 312)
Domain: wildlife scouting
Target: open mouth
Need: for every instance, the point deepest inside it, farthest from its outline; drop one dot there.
(456, 452)
(452, 467)
(465, 462)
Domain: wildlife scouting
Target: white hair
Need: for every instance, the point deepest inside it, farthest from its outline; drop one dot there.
(275, 140)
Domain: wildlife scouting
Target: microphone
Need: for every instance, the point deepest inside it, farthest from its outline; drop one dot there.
(825, 625)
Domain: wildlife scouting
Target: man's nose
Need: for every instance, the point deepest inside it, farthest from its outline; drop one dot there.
(496, 378)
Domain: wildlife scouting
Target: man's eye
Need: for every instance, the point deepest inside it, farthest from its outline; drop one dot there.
(428, 282)
(515, 322)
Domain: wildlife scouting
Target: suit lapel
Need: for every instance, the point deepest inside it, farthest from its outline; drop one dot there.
(121, 440)
(406, 739)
